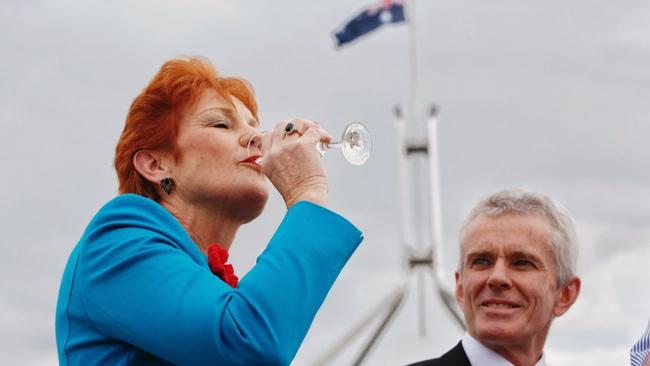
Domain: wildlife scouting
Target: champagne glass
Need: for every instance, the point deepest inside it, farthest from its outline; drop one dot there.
(355, 144)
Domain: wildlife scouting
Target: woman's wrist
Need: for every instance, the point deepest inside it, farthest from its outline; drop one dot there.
(318, 197)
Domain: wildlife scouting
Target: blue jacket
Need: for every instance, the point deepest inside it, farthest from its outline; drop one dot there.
(137, 290)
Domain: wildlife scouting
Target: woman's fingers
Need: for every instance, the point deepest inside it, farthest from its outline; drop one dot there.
(292, 162)
(317, 134)
(308, 131)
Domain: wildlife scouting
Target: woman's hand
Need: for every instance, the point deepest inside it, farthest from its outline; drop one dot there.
(293, 164)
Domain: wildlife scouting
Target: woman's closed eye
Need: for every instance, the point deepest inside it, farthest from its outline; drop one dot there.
(219, 124)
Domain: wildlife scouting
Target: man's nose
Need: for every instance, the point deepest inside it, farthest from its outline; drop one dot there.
(499, 276)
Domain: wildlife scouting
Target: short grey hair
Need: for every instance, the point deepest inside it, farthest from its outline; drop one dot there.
(519, 202)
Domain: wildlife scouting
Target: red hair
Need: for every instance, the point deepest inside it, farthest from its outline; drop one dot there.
(155, 115)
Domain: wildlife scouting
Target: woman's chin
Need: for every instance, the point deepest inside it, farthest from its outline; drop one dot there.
(253, 204)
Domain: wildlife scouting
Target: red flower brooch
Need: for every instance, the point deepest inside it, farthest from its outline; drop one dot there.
(217, 257)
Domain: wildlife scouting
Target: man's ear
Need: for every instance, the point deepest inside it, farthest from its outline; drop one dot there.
(459, 289)
(568, 295)
(149, 164)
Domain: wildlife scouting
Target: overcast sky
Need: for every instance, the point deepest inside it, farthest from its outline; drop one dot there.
(551, 96)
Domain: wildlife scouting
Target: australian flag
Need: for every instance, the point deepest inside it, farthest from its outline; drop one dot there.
(371, 18)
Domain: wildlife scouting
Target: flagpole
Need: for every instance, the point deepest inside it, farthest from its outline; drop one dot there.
(414, 127)
(426, 250)
(421, 232)
(413, 72)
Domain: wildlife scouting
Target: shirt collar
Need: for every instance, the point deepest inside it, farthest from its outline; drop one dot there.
(480, 355)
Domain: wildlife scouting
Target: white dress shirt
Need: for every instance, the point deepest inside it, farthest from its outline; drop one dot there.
(479, 355)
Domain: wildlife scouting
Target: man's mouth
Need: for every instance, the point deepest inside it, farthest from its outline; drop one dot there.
(499, 304)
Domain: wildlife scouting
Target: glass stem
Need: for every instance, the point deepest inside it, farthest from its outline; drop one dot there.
(333, 144)
(323, 147)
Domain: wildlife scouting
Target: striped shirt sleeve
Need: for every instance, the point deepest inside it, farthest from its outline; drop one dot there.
(640, 353)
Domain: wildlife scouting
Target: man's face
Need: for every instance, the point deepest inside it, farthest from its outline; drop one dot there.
(508, 288)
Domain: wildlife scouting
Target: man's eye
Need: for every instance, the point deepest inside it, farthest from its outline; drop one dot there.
(523, 263)
(220, 125)
(480, 261)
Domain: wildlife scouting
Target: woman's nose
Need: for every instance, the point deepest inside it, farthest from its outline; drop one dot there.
(253, 142)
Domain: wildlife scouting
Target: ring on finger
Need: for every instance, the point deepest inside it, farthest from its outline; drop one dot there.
(291, 128)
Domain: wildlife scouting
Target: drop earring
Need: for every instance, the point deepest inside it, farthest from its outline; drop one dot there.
(168, 185)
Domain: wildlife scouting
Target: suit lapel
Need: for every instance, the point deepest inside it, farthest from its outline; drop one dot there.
(456, 357)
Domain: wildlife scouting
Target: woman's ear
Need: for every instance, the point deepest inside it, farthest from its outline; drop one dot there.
(149, 164)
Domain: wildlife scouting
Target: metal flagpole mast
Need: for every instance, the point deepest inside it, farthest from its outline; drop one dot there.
(389, 306)
(447, 297)
(413, 256)
(434, 180)
(416, 130)
(413, 72)
(432, 258)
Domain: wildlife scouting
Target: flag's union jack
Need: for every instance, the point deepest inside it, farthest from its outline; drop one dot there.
(371, 18)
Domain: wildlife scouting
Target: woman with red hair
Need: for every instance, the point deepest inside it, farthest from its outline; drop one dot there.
(148, 282)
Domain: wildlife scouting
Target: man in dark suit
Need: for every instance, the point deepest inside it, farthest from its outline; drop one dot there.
(518, 255)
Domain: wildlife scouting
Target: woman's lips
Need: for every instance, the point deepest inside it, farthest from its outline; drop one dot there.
(251, 159)
(251, 162)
